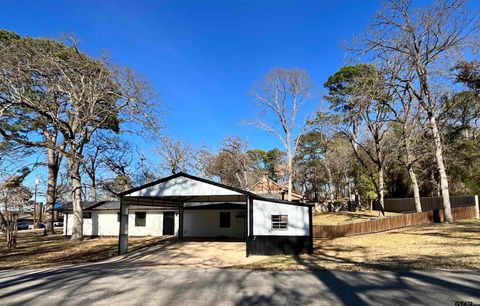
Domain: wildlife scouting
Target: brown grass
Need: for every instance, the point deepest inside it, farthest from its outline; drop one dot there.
(439, 246)
(37, 251)
(347, 217)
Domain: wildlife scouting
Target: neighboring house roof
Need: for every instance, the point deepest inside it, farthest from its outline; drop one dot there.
(268, 188)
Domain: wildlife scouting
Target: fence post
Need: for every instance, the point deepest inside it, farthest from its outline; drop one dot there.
(477, 209)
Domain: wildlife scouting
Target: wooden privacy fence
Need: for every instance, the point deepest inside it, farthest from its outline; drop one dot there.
(388, 223)
(408, 204)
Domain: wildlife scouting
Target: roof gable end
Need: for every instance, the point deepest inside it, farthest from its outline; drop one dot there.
(182, 185)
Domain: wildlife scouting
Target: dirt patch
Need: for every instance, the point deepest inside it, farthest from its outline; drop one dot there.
(347, 217)
(441, 246)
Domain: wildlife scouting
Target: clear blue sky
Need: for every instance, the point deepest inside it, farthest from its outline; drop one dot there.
(203, 57)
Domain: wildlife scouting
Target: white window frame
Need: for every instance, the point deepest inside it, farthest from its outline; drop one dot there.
(277, 224)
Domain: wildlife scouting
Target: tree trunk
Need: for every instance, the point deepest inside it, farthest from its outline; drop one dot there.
(93, 189)
(76, 182)
(290, 174)
(381, 184)
(11, 230)
(416, 191)
(52, 174)
(441, 168)
(422, 74)
(411, 172)
(330, 185)
(349, 188)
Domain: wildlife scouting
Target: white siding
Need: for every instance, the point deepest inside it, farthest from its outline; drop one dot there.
(183, 186)
(104, 223)
(206, 223)
(298, 219)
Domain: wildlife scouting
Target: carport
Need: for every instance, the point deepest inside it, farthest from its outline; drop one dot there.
(271, 226)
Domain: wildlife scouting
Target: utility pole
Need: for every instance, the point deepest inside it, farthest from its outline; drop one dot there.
(35, 203)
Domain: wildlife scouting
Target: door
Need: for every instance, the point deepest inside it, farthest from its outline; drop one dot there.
(168, 223)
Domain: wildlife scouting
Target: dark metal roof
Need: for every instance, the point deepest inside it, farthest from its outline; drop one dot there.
(91, 205)
(109, 205)
(115, 205)
(207, 206)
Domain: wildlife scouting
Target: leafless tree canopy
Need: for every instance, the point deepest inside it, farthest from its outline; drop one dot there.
(177, 155)
(282, 96)
(77, 95)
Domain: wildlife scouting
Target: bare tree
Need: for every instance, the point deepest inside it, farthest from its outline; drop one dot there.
(31, 129)
(91, 95)
(424, 39)
(282, 95)
(177, 155)
(232, 164)
(14, 199)
(358, 96)
(412, 134)
(117, 159)
(145, 171)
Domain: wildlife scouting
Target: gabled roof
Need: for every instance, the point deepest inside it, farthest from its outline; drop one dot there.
(183, 187)
(166, 188)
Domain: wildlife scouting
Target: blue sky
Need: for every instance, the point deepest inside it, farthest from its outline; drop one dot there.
(203, 57)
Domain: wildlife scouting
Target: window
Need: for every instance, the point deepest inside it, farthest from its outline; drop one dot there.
(225, 219)
(140, 218)
(87, 215)
(279, 222)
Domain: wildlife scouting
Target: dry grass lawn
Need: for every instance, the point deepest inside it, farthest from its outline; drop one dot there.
(440, 246)
(347, 217)
(37, 251)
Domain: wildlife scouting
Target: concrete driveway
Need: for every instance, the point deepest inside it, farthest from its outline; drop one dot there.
(194, 254)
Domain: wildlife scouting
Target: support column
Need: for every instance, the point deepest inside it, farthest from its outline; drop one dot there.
(65, 226)
(477, 208)
(250, 231)
(310, 225)
(180, 222)
(247, 227)
(123, 234)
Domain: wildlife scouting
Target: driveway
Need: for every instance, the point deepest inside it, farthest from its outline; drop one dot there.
(138, 283)
(194, 254)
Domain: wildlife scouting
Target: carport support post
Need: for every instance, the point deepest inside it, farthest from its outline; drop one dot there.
(477, 208)
(180, 222)
(123, 235)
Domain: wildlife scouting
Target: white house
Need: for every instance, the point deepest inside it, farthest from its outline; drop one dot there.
(183, 205)
(217, 220)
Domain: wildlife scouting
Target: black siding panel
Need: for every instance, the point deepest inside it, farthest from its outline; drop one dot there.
(280, 245)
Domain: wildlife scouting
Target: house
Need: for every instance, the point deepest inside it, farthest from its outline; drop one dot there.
(268, 188)
(187, 206)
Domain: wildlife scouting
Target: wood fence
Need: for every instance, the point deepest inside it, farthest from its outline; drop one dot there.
(388, 223)
(404, 205)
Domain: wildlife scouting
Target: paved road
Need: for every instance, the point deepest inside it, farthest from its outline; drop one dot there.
(142, 283)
